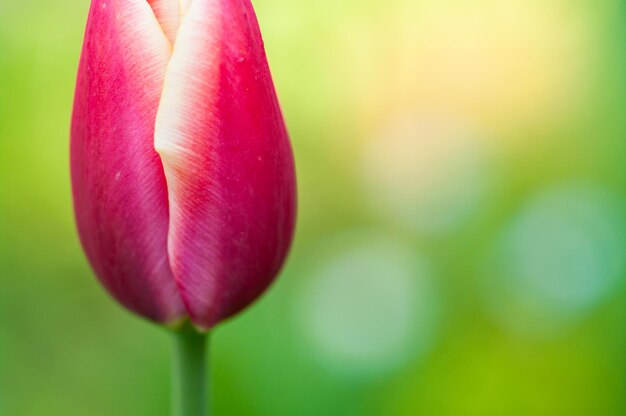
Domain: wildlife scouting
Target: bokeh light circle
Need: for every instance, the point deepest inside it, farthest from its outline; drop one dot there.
(369, 305)
(427, 172)
(560, 257)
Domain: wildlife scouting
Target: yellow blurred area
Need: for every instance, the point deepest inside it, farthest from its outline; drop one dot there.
(501, 64)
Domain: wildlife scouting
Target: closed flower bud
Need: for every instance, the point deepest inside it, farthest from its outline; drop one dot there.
(182, 171)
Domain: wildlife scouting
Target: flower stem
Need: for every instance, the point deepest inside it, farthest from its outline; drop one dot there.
(189, 368)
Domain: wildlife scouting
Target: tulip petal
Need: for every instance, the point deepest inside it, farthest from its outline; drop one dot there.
(168, 14)
(119, 187)
(227, 161)
(184, 5)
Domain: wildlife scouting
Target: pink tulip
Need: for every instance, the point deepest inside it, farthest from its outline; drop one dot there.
(182, 171)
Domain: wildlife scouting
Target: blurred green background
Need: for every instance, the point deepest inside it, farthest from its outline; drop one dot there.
(461, 247)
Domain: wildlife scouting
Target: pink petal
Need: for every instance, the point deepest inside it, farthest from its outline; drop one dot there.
(227, 160)
(119, 187)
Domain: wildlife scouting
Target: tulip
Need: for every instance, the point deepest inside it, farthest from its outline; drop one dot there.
(182, 172)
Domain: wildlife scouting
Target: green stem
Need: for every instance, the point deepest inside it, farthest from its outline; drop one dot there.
(189, 382)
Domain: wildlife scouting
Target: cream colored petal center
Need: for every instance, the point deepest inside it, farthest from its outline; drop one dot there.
(170, 13)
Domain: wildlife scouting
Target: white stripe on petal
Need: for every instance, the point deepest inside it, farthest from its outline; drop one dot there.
(190, 88)
(184, 6)
(167, 13)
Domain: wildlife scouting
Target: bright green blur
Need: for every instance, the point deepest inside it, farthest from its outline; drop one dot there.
(461, 245)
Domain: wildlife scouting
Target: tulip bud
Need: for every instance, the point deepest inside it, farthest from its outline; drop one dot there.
(182, 172)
